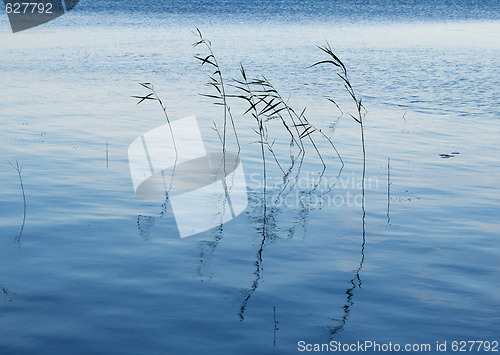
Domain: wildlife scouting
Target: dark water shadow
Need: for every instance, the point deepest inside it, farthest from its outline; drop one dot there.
(8, 295)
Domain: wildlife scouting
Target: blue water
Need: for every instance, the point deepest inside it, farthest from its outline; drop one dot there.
(322, 9)
(96, 270)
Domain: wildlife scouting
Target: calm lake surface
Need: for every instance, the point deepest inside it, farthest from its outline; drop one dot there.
(96, 270)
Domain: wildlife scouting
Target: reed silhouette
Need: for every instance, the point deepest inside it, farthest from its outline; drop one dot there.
(359, 118)
(265, 104)
(19, 238)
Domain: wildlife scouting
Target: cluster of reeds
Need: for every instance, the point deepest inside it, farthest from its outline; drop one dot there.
(265, 103)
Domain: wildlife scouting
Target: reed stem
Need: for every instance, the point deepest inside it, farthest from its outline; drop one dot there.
(18, 168)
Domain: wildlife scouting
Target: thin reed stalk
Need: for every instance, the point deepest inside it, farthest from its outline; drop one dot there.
(217, 82)
(154, 96)
(360, 110)
(18, 168)
(335, 61)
